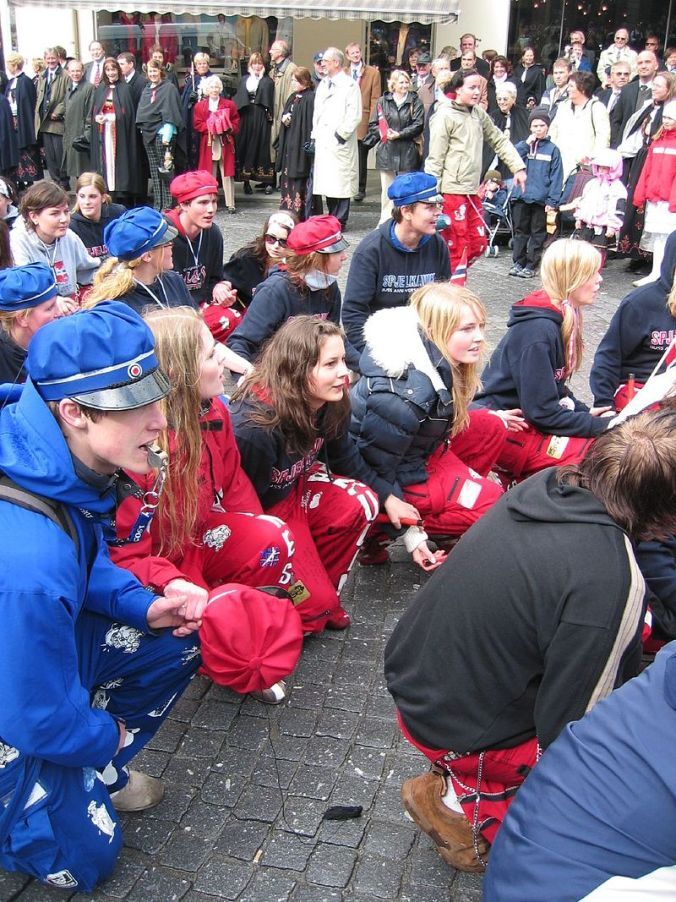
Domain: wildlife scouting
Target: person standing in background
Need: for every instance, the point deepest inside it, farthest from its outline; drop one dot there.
(368, 80)
(49, 115)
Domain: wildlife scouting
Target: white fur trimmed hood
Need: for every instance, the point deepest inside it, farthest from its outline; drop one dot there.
(393, 341)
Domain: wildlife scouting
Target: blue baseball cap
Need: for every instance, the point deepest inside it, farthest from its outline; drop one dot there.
(413, 188)
(103, 358)
(23, 287)
(137, 231)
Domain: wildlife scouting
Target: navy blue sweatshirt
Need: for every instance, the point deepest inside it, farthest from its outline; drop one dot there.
(640, 331)
(168, 289)
(527, 370)
(545, 173)
(277, 299)
(383, 274)
(657, 562)
(91, 233)
(274, 470)
(201, 274)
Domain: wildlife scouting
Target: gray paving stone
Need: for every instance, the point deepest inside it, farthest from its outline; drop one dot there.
(331, 865)
(186, 772)
(325, 751)
(242, 839)
(248, 733)
(199, 743)
(343, 698)
(376, 732)
(302, 815)
(38, 892)
(12, 883)
(343, 833)
(147, 834)
(151, 762)
(224, 877)
(185, 850)
(297, 721)
(268, 885)
(159, 884)
(427, 866)
(215, 715)
(365, 762)
(288, 851)
(313, 782)
(389, 840)
(184, 710)
(378, 876)
(274, 771)
(168, 737)
(466, 888)
(175, 803)
(306, 695)
(316, 894)
(339, 724)
(354, 790)
(204, 820)
(223, 789)
(198, 687)
(261, 803)
(130, 865)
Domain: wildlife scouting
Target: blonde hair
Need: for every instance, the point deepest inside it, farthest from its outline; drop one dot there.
(178, 345)
(396, 74)
(15, 59)
(9, 318)
(566, 266)
(440, 306)
(90, 180)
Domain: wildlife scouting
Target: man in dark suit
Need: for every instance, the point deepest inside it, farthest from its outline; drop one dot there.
(469, 42)
(579, 37)
(50, 110)
(134, 79)
(619, 77)
(633, 96)
(93, 72)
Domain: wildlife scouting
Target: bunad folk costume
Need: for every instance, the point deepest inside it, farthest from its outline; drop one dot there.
(94, 663)
(402, 415)
(159, 118)
(641, 330)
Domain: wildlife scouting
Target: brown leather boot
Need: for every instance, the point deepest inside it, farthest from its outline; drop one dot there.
(450, 830)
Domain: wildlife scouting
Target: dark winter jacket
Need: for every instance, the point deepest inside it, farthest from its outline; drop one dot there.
(408, 119)
(245, 272)
(198, 262)
(90, 233)
(544, 170)
(12, 359)
(641, 330)
(383, 273)
(657, 561)
(534, 618)
(402, 407)
(169, 290)
(530, 82)
(274, 470)
(528, 370)
(276, 300)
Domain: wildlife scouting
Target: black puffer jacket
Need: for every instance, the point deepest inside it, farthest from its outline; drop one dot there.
(402, 407)
(408, 119)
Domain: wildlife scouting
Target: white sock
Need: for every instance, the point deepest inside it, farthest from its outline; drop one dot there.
(450, 798)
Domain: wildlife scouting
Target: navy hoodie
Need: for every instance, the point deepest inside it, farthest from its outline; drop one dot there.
(202, 274)
(527, 370)
(169, 289)
(383, 273)
(91, 233)
(640, 331)
(277, 299)
(544, 170)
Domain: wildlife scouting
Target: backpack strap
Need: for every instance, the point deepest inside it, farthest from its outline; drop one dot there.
(53, 510)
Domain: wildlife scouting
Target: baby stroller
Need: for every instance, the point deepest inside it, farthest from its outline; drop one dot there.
(498, 219)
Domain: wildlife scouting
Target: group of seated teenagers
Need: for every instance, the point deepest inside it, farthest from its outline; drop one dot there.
(283, 486)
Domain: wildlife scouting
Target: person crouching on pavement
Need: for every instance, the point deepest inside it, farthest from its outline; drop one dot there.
(207, 529)
(511, 639)
(107, 657)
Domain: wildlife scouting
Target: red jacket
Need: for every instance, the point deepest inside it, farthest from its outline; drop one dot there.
(658, 177)
(222, 484)
(200, 118)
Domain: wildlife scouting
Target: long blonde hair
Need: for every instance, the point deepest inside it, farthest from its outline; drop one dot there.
(178, 345)
(115, 278)
(566, 266)
(440, 306)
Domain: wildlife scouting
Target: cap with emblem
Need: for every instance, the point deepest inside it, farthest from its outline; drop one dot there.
(136, 232)
(103, 358)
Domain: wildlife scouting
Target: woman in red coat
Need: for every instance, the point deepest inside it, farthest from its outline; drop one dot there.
(217, 121)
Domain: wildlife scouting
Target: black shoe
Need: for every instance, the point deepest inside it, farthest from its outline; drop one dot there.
(247, 188)
(231, 210)
(637, 265)
(269, 189)
(359, 197)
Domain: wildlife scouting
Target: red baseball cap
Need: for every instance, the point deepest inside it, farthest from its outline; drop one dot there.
(317, 235)
(189, 185)
(250, 640)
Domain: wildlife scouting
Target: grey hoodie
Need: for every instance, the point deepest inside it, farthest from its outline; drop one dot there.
(67, 257)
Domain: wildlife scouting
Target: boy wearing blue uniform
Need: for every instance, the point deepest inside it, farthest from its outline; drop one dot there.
(541, 195)
(88, 673)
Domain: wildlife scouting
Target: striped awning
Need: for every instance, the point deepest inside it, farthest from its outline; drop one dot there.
(423, 11)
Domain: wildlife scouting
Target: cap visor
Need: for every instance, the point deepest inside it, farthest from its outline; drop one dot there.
(168, 236)
(340, 245)
(151, 388)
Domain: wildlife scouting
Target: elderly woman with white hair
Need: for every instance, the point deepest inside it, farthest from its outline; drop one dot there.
(512, 120)
(216, 120)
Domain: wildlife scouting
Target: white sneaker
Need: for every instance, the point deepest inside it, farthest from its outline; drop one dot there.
(140, 793)
(274, 695)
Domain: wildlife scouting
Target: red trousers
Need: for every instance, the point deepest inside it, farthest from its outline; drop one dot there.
(256, 550)
(467, 231)
(484, 782)
(456, 493)
(329, 517)
(529, 452)
(221, 320)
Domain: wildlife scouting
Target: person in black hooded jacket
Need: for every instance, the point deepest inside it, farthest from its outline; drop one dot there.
(92, 212)
(535, 616)
(540, 351)
(641, 330)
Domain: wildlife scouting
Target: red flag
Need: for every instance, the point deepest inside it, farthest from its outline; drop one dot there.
(382, 124)
(459, 276)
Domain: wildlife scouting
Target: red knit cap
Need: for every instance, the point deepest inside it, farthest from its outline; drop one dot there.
(189, 185)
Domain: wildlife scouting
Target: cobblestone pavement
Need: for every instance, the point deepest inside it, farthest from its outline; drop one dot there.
(247, 785)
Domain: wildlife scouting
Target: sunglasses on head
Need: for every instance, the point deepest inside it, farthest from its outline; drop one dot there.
(273, 239)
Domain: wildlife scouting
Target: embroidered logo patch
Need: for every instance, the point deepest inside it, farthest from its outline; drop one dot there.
(127, 638)
(216, 538)
(270, 556)
(7, 754)
(64, 879)
(557, 445)
(98, 815)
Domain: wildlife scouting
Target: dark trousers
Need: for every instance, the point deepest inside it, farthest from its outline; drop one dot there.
(53, 145)
(340, 208)
(363, 171)
(530, 233)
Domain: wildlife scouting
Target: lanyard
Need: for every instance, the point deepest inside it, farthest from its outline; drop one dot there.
(152, 293)
(159, 461)
(196, 256)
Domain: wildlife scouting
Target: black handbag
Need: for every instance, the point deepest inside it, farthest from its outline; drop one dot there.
(81, 144)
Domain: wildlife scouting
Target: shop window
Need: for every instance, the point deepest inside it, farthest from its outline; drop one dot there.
(391, 44)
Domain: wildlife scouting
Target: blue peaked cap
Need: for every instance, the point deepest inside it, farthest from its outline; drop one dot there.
(412, 188)
(139, 230)
(23, 287)
(103, 357)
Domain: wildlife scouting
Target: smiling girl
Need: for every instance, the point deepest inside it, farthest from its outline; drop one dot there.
(92, 212)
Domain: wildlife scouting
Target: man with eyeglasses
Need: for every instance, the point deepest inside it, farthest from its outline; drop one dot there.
(619, 77)
(399, 256)
(633, 96)
(652, 42)
(618, 51)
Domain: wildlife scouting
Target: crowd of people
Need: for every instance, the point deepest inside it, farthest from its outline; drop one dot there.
(155, 525)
